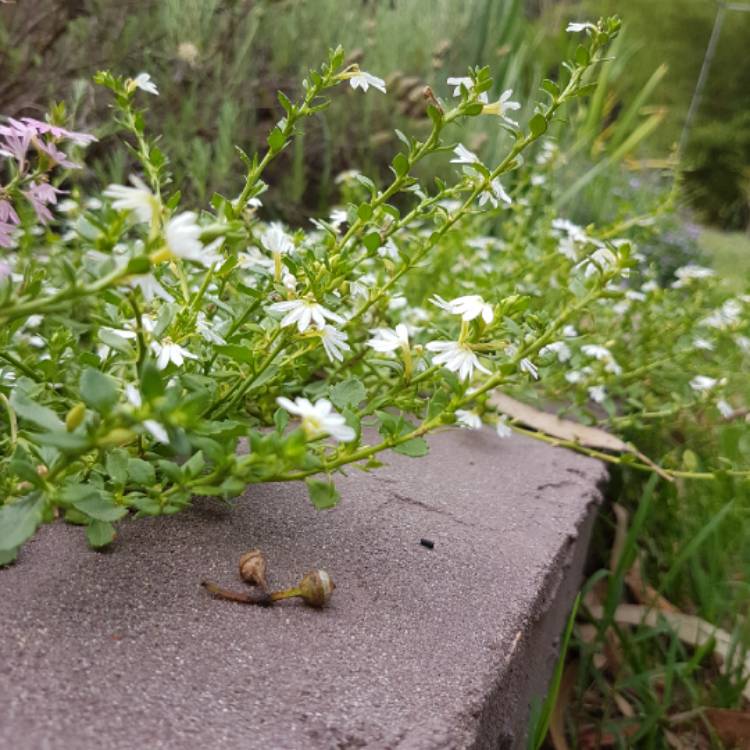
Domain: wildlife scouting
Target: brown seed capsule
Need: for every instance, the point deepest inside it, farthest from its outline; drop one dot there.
(263, 598)
(253, 569)
(315, 589)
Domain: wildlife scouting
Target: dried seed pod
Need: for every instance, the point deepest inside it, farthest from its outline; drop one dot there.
(263, 598)
(253, 569)
(315, 589)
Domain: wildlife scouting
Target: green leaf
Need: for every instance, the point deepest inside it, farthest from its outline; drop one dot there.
(323, 495)
(474, 109)
(146, 506)
(139, 264)
(551, 87)
(236, 352)
(100, 533)
(33, 412)
(281, 419)
(538, 125)
(194, 465)
(364, 212)
(586, 90)
(75, 517)
(152, 385)
(66, 441)
(7, 556)
(19, 520)
(276, 140)
(400, 164)
(437, 404)
(284, 101)
(100, 506)
(435, 115)
(582, 55)
(416, 448)
(164, 320)
(115, 341)
(350, 392)
(98, 390)
(371, 241)
(117, 465)
(141, 472)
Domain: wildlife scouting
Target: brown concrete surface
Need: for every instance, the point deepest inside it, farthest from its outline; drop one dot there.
(419, 649)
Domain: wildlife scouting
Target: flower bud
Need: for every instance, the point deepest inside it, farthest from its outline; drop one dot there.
(117, 436)
(75, 416)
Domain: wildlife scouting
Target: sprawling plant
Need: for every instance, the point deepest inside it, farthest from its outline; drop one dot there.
(149, 354)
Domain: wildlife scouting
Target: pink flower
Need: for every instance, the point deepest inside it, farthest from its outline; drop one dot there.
(17, 135)
(5, 237)
(39, 195)
(7, 214)
(16, 140)
(41, 128)
(59, 157)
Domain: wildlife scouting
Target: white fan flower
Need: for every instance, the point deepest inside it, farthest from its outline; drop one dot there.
(138, 199)
(725, 408)
(386, 340)
(560, 348)
(157, 431)
(276, 240)
(468, 307)
(468, 84)
(688, 273)
(502, 427)
(167, 351)
(457, 357)
(702, 383)
(469, 419)
(601, 260)
(318, 419)
(207, 329)
(495, 195)
(389, 250)
(464, 156)
(150, 287)
(338, 217)
(575, 26)
(303, 312)
(603, 355)
(254, 260)
(502, 106)
(597, 393)
(334, 343)
(133, 395)
(182, 234)
(704, 344)
(526, 365)
(358, 79)
(143, 82)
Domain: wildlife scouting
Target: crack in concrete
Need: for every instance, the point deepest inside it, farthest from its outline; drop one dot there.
(396, 496)
(554, 485)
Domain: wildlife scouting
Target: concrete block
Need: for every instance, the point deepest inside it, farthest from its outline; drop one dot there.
(419, 649)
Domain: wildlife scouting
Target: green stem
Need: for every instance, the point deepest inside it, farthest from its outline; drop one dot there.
(20, 366)
(12, 421)
(31, 307)
(222, 406)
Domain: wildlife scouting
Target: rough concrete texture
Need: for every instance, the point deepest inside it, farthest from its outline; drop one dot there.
(419, 648)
